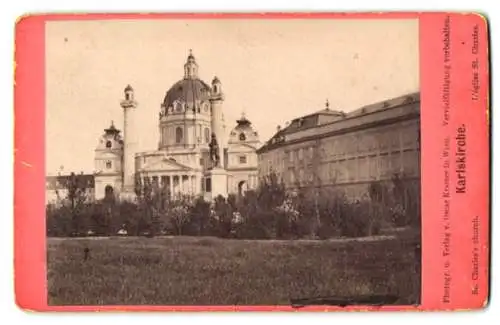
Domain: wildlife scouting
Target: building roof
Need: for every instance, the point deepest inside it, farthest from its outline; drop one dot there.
(328, 116)
(59, 182)
(243, 123)
(311, 120)
(112, 129)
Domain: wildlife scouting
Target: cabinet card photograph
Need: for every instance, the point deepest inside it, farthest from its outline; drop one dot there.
(246, 162)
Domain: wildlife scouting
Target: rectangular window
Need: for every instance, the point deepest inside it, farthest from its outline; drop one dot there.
(353, 169)
(208, 185)
(202, 162)
(341, 171)
(301, 175)
(243, 159)
(410, 161)
(395, 139)
(373, 173)
(207, 135)
(395, 162)
(363, 169)
(385, 139)
(301, 154)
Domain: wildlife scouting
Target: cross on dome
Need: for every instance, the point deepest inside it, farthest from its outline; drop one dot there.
(191, 56)
(243, 120)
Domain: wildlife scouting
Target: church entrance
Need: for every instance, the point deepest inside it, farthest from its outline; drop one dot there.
(242, 187)
(109, 192)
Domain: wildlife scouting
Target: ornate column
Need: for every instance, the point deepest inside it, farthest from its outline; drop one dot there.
(175, 179)
(171, 186)
(129, 106)
(193, 185)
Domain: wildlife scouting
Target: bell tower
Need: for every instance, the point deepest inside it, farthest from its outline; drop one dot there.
(108, 162)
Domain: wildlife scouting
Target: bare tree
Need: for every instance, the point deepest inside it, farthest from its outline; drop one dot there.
(76, 189)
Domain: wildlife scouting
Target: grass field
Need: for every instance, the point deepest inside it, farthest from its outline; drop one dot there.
(211, 271)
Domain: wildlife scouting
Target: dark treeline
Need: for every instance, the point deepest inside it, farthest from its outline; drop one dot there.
(267, 213)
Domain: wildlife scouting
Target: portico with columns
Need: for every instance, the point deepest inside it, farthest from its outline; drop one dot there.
(176, 183)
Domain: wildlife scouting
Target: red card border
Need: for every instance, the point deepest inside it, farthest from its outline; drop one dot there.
(29, 165)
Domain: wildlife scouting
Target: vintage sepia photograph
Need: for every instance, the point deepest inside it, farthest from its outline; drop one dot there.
(220, 162)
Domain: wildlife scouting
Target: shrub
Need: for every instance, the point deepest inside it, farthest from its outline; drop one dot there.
(270, 212)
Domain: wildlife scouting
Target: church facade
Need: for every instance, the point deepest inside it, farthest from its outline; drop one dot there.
(195, 156)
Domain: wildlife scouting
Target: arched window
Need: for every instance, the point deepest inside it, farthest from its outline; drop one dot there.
(108, 164)
(108, 144)
(178, 107)
(178, 135)
(127, 96)
(242, 136)
(207, 135)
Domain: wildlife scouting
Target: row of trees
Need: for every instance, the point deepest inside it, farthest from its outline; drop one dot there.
(267, 213)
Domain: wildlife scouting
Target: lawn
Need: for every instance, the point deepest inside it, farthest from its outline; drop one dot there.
(211, 271)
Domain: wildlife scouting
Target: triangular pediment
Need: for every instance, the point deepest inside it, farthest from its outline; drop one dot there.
(166, 164)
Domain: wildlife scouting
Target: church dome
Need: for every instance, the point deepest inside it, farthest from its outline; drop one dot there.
(111, 139)
(243, 132)
(187, 91)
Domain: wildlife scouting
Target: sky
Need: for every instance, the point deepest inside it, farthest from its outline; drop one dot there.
(272, 70)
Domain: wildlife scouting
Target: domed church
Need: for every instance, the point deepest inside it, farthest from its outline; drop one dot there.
(195, 155)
